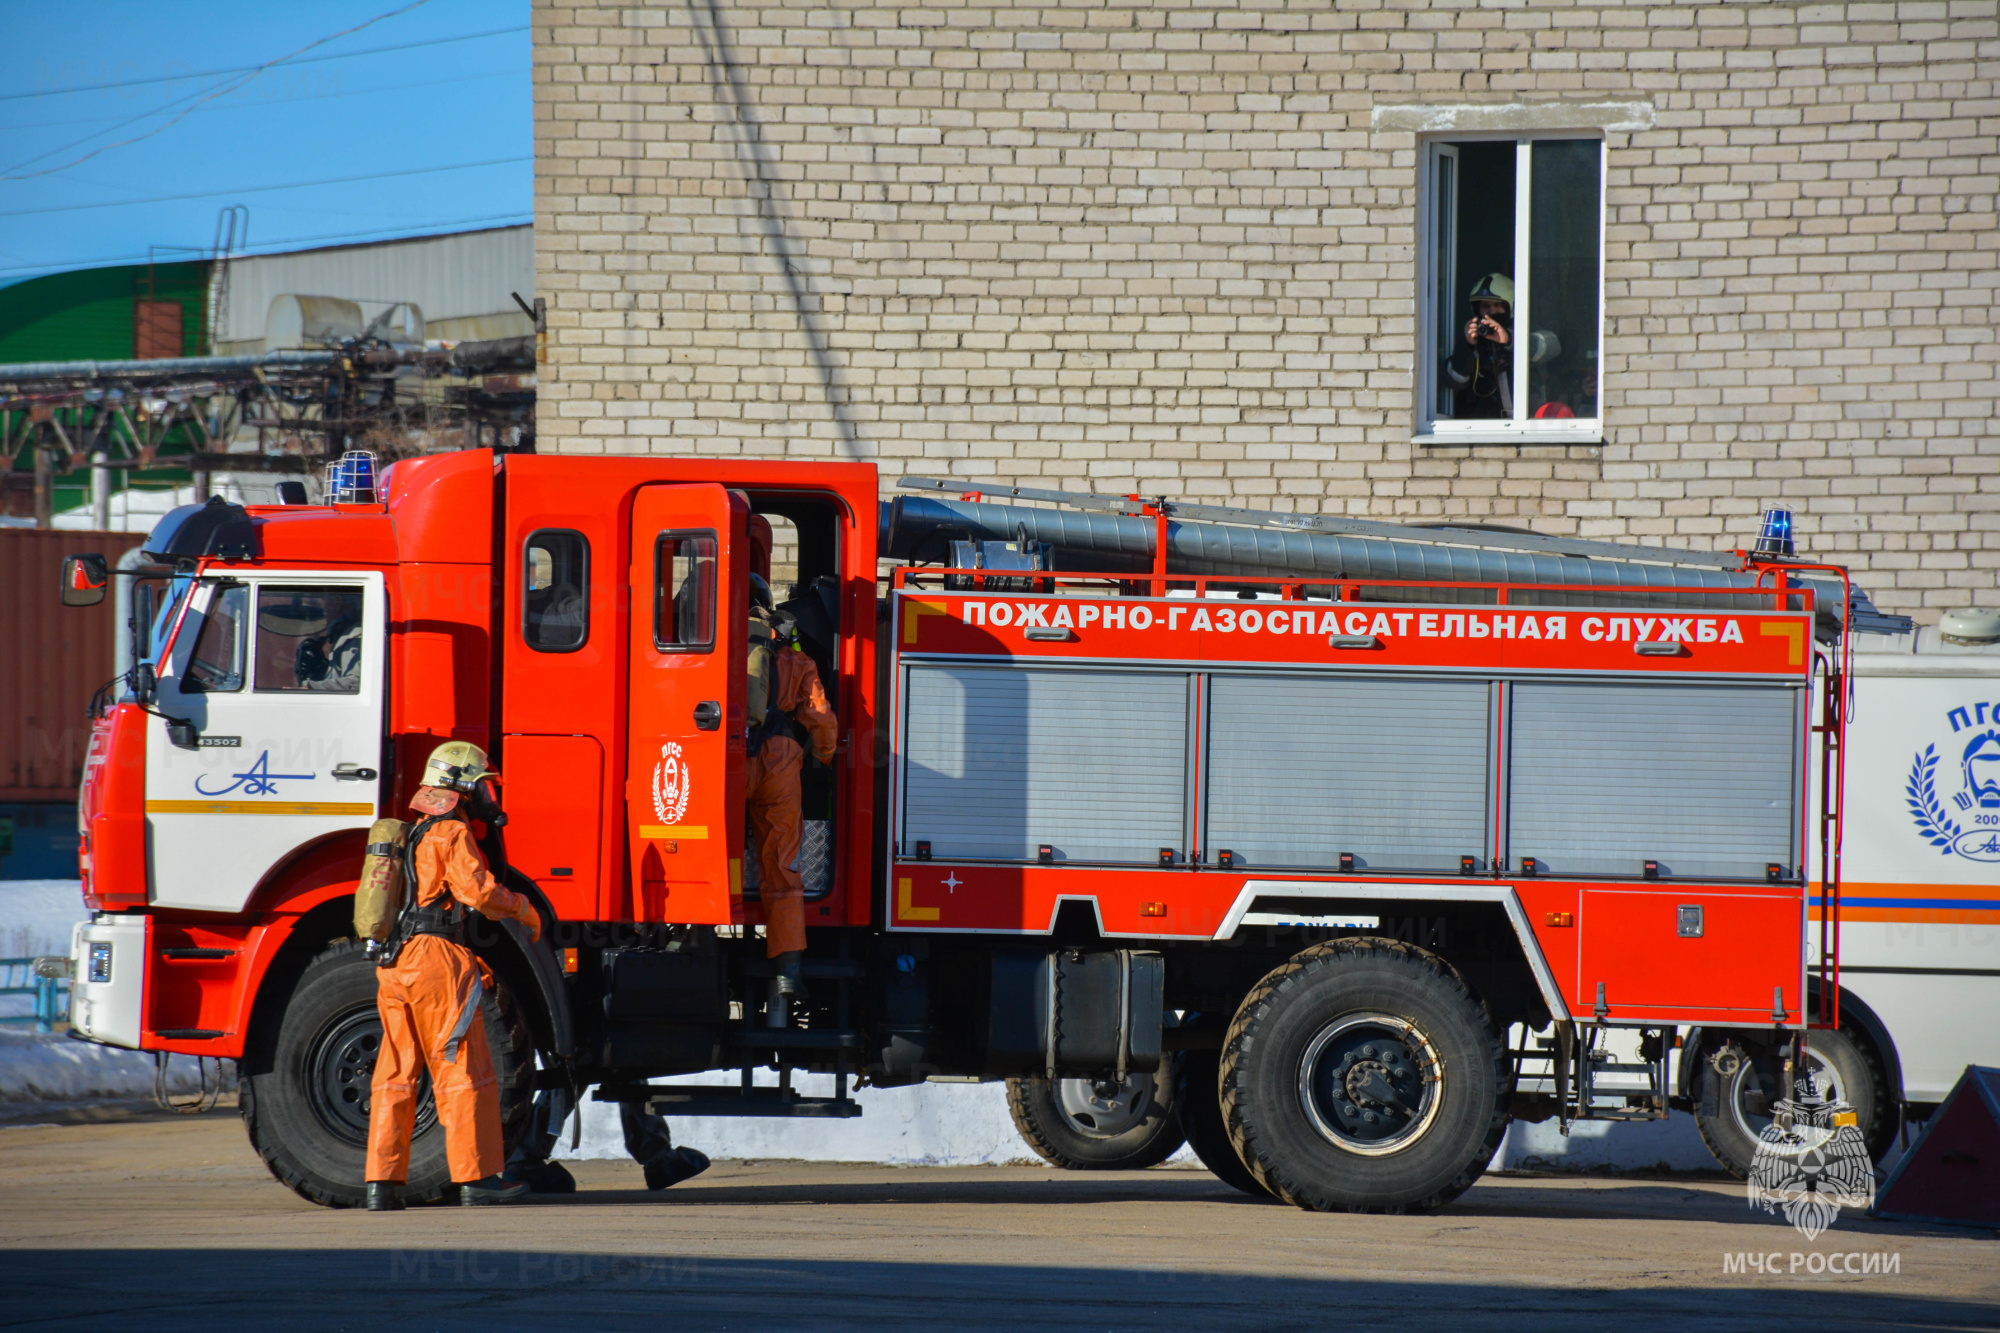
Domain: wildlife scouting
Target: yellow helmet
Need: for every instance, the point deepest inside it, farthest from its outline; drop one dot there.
(456, 766)
(1494, 287)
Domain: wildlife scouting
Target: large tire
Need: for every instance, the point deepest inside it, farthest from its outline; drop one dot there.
(1198, 1099)
(306, 1108)
(1070, 1125)
(1733, 1104)
(1363, 1076)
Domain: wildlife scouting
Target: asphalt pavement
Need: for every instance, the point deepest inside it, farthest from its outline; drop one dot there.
(134, 1219)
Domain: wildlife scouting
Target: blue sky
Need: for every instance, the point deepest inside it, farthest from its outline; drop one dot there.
(432, 135)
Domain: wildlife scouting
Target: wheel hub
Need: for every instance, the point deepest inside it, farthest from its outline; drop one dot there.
(1370, 1083)
(1376, 1085)
(339, 1067)
(1107, 1108)
(1758, 1088)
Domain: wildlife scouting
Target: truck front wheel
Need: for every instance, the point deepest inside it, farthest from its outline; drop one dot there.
(1084, 1125)
(305, 1101)
(1362, 1076)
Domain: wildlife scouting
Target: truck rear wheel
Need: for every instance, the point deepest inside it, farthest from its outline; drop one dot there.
(1748, 1081)
(1079, 1125)
(1198, 1099)
(306, 1104)
(1362, 1076)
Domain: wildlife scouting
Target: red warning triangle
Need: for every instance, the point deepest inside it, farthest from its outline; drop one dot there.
(1952, 1172)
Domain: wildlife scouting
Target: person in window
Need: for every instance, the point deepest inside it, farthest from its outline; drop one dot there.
(558, 617)
(330, 662)
(1481, 372)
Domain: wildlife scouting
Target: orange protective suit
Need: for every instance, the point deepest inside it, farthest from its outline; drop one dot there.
(771, 798)
(429, 1000)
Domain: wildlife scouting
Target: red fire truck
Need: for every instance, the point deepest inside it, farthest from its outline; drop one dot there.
(1284, 820)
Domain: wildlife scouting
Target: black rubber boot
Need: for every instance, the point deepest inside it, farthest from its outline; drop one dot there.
(492, 1190)
(676, 1166)
(385, 1196)
(545, 1178)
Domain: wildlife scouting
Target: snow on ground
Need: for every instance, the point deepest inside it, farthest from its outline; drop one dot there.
(52, 1067)
(36, 915)
(35, 918)
(937, 1124)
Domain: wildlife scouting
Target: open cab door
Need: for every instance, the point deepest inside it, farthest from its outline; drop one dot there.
(684, 765)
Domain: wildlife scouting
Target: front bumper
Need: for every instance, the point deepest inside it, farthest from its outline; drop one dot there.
(107, 988)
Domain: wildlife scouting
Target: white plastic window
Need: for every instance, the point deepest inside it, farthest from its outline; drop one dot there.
(1511, 305)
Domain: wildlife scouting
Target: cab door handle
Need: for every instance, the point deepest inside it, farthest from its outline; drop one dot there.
(353, 773)
(707, 715)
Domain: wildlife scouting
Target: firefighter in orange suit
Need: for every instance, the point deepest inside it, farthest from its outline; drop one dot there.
(797, 712)
(429, 991)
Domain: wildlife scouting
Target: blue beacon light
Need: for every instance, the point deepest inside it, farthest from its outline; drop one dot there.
(354, 478)
(1775, 541)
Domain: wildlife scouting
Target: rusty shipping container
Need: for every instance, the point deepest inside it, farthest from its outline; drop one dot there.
(52, 659)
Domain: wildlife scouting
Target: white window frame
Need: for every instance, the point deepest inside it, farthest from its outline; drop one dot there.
(1432, 429)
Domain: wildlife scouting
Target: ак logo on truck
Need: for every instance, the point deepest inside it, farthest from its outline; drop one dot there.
(258, 781)
(671, 780)
(1977, 837)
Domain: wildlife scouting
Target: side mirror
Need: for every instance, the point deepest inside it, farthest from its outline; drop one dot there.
(84, 579)
(145, 683)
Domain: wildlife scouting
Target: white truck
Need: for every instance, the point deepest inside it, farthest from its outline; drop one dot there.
(1919, 903)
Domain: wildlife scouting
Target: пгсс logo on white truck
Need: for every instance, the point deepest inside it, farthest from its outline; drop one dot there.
(1976, 836)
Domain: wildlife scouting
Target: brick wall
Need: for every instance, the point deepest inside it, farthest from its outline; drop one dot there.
(1170, 247)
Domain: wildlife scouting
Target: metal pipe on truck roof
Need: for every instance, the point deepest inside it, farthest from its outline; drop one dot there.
(1119, 544)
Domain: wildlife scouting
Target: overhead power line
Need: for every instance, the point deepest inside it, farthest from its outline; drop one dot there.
(220, 90)
(245, 69)
(265, 189)
(265, 104)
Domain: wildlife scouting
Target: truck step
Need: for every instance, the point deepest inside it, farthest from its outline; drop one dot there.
(680, 1101)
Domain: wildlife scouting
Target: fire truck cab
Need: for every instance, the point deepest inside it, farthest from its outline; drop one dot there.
(1275, 860)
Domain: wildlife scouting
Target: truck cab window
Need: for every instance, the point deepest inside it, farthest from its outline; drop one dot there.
(555, 578)
(309, 640)
(684, 592)
(216, 665)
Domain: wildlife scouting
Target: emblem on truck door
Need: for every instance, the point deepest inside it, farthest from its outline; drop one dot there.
(1973, 832)
(670, 784)
(258, 781)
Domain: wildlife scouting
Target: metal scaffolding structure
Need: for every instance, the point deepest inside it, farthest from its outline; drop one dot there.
(289, 412)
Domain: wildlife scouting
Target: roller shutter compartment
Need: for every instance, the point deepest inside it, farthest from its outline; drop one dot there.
(1000, 760)
(1700, 778)
(1301, 769)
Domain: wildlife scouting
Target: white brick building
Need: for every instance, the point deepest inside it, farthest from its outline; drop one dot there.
(1194, 249)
